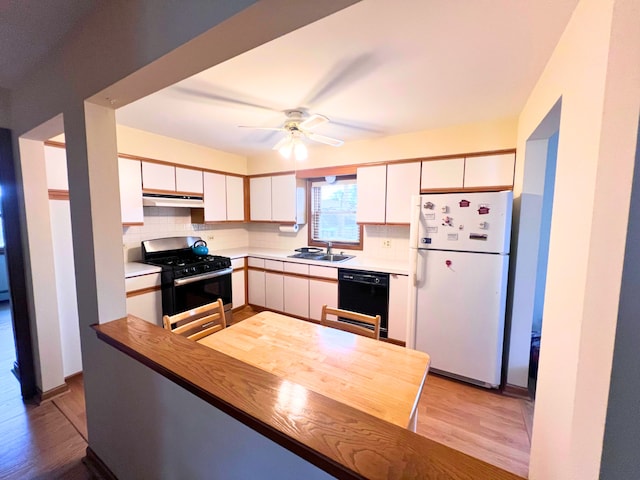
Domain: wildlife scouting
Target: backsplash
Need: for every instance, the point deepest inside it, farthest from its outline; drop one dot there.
(160, 222)
(267, 235)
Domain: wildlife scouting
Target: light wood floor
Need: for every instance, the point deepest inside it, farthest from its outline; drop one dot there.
(49, 441)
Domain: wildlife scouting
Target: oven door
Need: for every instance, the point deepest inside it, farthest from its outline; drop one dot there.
(191, 292)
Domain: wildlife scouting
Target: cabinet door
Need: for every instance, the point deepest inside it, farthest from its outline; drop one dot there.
(296, 296)
(56, 165)
(321, 292)
(403, 180)
(156, 176)
(398, 300)
(237, 288)
(260, 203)
(372, 192)
(215, 197)
(147, 306)
(235, 198)
(189, 180)
(256, 287)
(489, 170)
(283, 198)
(274, 291)
(442, 174)
(130, 175)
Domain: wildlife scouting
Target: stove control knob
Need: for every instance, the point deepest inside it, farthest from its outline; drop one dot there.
(206, 267)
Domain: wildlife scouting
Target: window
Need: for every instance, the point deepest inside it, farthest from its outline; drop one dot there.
(333, 213)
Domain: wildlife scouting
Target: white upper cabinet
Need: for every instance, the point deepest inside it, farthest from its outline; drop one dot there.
(260, 204)
(283, 204)
(56, 165)
(403, 180)
(223, 198)
(157, 176)
(442, 174)
(489, 170)
(235, 198)
(279, 198)
(189, 180)
(215, 197)
(384, 192)
(372, 194)
(130, 174)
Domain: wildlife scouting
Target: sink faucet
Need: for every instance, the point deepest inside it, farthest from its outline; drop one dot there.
(329, 245)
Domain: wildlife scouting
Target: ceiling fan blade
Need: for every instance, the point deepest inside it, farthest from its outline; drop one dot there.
(283, 141)
(232, 98)
(277, 129)
(342, 75)
(313, 121)
(334, 142)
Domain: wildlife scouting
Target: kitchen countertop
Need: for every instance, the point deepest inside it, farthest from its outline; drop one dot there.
(359, 262)
(135, 269)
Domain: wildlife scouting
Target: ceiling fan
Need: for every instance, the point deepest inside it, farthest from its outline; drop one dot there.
(298, 128)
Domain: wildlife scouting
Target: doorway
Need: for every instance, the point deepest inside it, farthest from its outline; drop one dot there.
(532, 252)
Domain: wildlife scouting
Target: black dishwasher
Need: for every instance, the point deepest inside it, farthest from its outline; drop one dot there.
(365, 292)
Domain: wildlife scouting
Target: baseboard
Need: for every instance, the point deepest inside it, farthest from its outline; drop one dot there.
(516, 391)
(73, 376)
(50, 394)
(394, 341)
(97, 467)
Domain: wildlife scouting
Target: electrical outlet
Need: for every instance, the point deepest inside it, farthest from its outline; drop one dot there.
(386, 243)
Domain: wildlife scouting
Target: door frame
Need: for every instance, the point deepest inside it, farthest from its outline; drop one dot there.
(25, 367)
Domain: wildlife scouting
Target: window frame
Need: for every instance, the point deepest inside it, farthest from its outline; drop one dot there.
(317, 243)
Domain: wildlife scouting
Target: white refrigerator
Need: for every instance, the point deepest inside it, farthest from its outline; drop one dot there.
(459, 263)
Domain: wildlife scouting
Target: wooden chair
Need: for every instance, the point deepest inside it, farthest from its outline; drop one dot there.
(198, 322)
(374, 321)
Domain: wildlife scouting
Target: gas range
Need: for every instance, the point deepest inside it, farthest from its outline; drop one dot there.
(188, 280)
(188, 264)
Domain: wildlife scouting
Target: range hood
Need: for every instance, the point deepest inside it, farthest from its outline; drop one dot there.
(161, 200)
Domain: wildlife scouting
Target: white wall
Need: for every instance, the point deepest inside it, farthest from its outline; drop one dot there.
(5, 112)
(595, 160)
(65, 286)
(477, 137)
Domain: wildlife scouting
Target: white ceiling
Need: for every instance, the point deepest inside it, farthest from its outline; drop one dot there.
(30, 28)
(377, 68)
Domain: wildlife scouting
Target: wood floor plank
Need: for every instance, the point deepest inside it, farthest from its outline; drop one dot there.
(72, 405)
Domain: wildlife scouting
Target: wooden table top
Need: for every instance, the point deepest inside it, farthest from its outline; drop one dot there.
(376, 377)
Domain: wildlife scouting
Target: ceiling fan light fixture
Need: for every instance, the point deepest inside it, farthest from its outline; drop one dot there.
(300, 150)
(286, 149)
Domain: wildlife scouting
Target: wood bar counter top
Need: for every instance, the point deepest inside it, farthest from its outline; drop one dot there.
(375, 377)
(344, 441)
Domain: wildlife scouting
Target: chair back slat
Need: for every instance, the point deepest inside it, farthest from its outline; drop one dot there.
(372, 320)
(198, 322)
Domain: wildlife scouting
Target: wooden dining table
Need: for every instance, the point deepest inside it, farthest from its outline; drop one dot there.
(376, 377)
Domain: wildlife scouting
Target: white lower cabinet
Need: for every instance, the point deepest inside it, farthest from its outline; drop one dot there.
(257, 291)
(398, 295)
(321, 292)
(296, 296)
(144, 297)
(274, 291)
(238, 283)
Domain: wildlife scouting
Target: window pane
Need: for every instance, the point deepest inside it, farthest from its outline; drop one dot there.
(333, 212)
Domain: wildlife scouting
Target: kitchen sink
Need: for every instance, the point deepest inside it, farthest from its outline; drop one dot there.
(334, 258)
(322, 257)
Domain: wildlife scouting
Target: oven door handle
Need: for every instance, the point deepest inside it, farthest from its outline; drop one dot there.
(196, 278)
